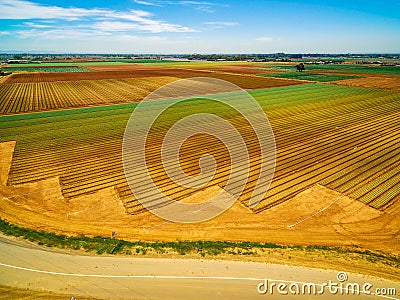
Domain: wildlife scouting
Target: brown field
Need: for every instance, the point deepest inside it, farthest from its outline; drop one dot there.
(377, 82)
(98, 75)
(236, 69)
(4, 78)
(35, 91)
(25, 97)
(138, 71)
(122, 67)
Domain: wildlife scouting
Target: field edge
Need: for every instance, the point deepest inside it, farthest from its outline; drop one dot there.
(350, 259)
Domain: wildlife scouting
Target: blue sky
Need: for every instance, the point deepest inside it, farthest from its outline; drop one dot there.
(186, 26)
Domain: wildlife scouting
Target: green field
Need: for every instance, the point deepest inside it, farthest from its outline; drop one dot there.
(45, 69)
(309, 76)
(323, 135)
(92, 63)
(69, 64)
(145, 61)
(339, 68)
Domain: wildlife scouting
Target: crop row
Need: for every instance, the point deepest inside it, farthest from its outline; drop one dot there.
(321, 132)
(25, 97)
(245, 82)
(389, 83)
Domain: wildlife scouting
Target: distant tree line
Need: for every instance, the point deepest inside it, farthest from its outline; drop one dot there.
(212, 57)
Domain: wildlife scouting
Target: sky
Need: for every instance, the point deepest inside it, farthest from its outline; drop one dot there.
(200, 26)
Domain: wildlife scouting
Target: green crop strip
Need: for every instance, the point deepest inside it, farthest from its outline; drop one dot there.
(72, 64)
(309, 76)
(47, 70)
(339, 68)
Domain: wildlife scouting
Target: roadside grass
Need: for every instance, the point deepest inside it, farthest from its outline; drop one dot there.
(309, 76)
(101, 245)
(113, 246)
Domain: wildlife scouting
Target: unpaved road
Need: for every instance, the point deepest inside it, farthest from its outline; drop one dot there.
(150, 278)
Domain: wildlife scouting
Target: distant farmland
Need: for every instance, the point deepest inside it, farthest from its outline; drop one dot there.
(35, 91)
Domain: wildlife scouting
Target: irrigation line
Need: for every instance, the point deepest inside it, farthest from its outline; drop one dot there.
(318, 212)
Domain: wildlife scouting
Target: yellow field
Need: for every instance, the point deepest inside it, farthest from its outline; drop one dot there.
(24, 97)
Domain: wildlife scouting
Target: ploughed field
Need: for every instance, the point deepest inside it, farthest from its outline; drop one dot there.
(345, 138)
(25, 97)
(45, 90)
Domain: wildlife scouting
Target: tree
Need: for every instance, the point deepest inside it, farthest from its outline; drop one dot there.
(300, 67)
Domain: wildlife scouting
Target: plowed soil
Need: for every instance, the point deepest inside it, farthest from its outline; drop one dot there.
(139, 71)
(237, 69)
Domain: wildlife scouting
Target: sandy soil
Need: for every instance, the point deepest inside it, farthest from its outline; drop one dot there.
(345, 222)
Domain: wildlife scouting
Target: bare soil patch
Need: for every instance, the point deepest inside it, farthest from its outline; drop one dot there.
(347, 222)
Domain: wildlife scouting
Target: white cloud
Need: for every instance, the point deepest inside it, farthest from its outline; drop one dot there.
(209, 7)
(36, 25)
(86, 35)
(93, 19)
(139, 16)
(222, 23)
(146, 3)
(138, 20)
(219, 25)
(59, 34)
(264, 39)
(23, 10)
(154, 27)
(206, 9)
